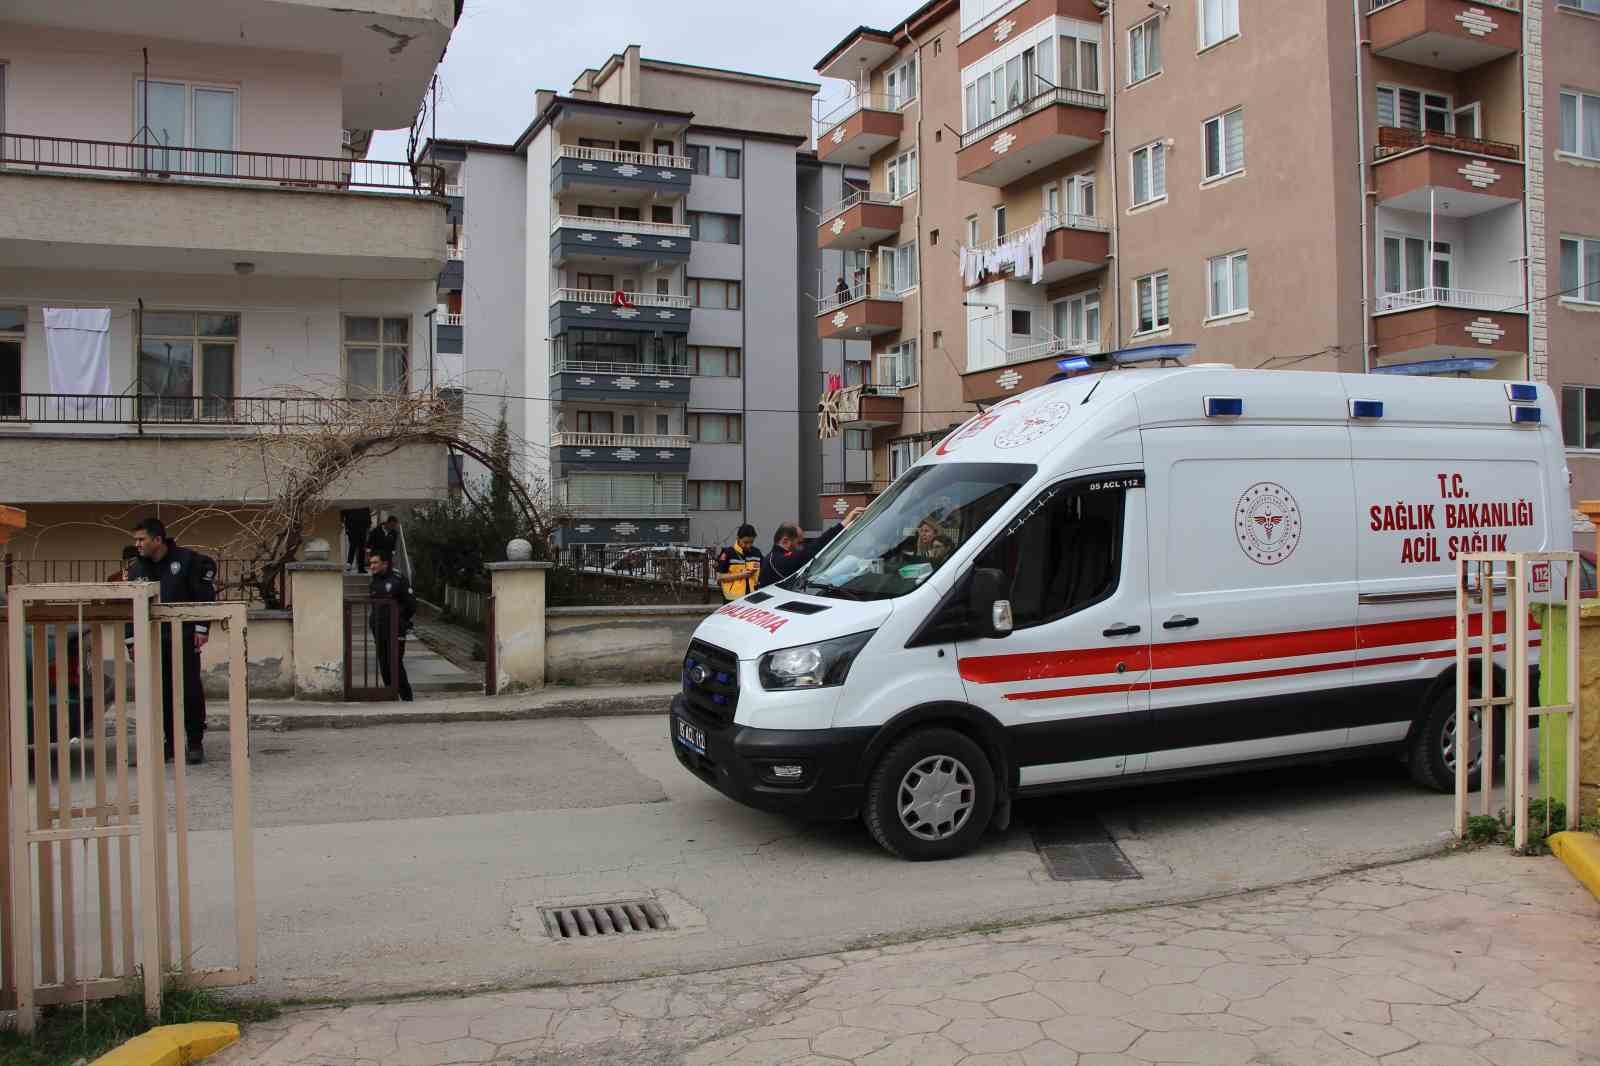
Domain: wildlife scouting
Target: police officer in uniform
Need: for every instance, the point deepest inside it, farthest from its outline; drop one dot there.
(185, 576)
(388, 584)
(790, 551)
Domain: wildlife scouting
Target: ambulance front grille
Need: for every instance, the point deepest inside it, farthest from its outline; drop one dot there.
(717, 697)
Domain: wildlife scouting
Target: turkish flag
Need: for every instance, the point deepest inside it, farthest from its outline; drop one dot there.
(621, 299)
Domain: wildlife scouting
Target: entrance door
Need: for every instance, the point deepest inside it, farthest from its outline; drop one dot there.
(1067, 683)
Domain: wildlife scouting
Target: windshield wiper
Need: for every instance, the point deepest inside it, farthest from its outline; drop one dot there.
(835, 590)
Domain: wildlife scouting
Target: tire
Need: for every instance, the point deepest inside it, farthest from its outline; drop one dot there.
(947, 765)
(1426, 756)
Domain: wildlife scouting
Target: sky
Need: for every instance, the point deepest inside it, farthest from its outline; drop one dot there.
(503, 50)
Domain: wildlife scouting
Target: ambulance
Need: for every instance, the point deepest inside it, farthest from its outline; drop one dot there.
(1140, 575)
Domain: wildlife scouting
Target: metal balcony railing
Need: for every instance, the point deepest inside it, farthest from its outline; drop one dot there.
(1441, 297)
(1395, 139)
(584, 366)
(1053, 346)
(612, 155)
(619, 440)
(1074, 97)
(1052, 220)
(1513, 5)
(130, 159)
(856, 292)
(605, 296)
(859, 197)
(621, 225)
(54, 408)
(860, 102)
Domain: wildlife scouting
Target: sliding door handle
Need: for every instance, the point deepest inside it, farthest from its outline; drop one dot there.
(1180, 621)
(1119, 631)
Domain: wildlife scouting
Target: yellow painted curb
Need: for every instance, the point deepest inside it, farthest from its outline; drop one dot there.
(172, 1045)
(1581, 853)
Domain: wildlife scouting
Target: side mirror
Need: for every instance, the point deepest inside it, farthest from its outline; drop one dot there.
(991, 611)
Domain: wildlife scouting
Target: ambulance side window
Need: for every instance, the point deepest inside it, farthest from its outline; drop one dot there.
(1060, 555)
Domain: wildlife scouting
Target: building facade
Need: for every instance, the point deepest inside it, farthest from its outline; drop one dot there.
(199, 177)
(1397, 186)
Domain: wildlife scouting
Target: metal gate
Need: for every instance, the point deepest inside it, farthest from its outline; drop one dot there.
(367, 677)
(491, 679)
(90, 878)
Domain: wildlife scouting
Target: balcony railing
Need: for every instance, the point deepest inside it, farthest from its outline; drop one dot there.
(860, 197)
(605, 296)
(68, 155)
(1052, 220)
(1439, 297)
(455, 190)
(1054, 346)
(860, 102)
(621, 225)
(52, 408)
(612, 155)
(619, 440)
(448, 319)
(854, 293)
(1373, 5)
(582, 366)
(1074, 97)
(1395, 139)
(452, 252)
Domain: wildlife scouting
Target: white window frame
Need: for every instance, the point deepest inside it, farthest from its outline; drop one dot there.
(901, 175)
(1582, 295)
(1582, 101)
(1475, 110)
(1423, 107)
(854, 437)
(1230, 22)
(1011, 321)
(999, 221)
(896, 367)
(732, 426)
(1220, 122)
(973, 232)
(1133, 184)
(903, 455)
(1081, 196)
(1077, 308)
(1226, 264)
(1442, 252)
(1149, 30)
(900, 263)
(380, 344)
(1053, 200)
(902, 73)
(225, 164)
(1154, 279)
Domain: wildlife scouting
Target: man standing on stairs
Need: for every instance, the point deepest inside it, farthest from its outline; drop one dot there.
(385, 536)
(388, 585)
(184, 576)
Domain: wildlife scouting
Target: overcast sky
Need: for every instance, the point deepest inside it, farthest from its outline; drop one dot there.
(503, 50)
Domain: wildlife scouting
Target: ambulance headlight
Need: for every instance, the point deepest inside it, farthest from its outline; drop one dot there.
(820, 665)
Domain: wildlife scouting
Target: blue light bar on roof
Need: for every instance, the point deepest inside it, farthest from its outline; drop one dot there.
(1076, 362)
(1224, 406)
(1522, 415)
(1522, 393)
(1456, 365)
(1150, 353)
(1366, 408)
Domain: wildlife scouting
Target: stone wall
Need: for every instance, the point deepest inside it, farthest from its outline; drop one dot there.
(1589, 727)
(269, 651)
(612, 645)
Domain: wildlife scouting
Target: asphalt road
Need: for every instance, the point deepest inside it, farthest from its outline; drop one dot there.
(415, 857)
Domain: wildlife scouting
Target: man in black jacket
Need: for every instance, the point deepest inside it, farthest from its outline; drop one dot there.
(389, 585)
(790, 551)
(357, 526)
(185, 576)
(385, 537)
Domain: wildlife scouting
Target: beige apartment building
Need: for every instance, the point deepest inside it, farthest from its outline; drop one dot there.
(1391, 186)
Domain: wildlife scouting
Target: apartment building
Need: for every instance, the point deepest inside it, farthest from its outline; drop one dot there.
(625, 276)
(1395, 186)
(192, 175)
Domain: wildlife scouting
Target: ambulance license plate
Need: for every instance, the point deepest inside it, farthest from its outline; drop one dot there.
(690, 737)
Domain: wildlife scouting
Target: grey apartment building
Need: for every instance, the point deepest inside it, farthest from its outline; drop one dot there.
(629, 278)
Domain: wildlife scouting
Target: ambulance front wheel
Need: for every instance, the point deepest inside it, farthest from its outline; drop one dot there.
(931, 796)
(1431, 756)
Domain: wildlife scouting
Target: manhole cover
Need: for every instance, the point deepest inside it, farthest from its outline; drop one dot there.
(1076, 847)
(604, 919)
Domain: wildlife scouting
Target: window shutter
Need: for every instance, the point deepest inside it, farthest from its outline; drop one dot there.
(1213, 148)
(1410, 109)
(1158, 170)
(1161, 298)
(1234, 121)
(1386, 113)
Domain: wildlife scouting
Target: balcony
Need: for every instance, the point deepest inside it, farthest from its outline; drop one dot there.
(861, 220)
(619, 452)
(868, 406)
(629, 383)
(1466, 176)
(110, 205)
(859, 128)
(1437, 323)
(1444, 34)
(615, 240)
(1025, 368)
(618, 176)
(1073, 245)
(1056, 124)
(859, 312)
(598, 309)
(838, 499)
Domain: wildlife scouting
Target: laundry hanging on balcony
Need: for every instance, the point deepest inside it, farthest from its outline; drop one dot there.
(77, 343)
(1022, 252)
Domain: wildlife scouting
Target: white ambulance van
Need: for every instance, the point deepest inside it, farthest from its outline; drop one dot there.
(1137, 575)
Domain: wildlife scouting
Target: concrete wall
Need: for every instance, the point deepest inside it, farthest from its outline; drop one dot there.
(538, 280)
(609, 645)
(269, 650)
(727, 99)
(98, 531)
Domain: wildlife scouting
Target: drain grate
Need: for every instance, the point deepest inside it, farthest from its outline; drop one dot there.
(1077, 847)
(604, 919)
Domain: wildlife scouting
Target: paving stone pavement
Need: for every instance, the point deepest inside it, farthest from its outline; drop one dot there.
(1477, 959)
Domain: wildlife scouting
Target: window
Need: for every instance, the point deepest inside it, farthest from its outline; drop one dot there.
(1010, 81)
(1228, 285)
(1149, 173)
(1081, 527)
(1580, 123)
(1144, 49)
(933, 236)
(623, 494)
(972, 231)
(1580, 269)
(699, 158)
(713, 228)
(13, 320)
(1000, 221)
(900, 83)
(1080, 195)
(857, 372)
(664, 148)
(1224, 137)
(858, 440)
(1052, 201)
(1590, 6)
(1580, 416)
(1076, 320)
(185, 355)
(180, 116)
(661, 213)
(619, 346)
(1403, 265)
(1021, 323)
(596, 211)
(720, 295)
(1080, 64)
(663, 286)
(1219, 20)
(903, 454)
(714, 362)
(597, 282)
(1150, 297)
(726, 163)
(1414, 109)
(902, 175)
(896, 367)
(1469, 120)
(897, 268)
(715, 496)
(716, 428)
(596, 422)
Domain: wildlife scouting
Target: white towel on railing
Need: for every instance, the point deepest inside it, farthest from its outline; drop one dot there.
(1036, 249)
(77, 343)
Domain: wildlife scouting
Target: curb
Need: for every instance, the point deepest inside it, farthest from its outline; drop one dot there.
(357, 717)
(1581, 852)
(172, 1045)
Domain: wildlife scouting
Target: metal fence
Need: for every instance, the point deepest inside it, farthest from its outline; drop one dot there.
(465, 605)
(275, 412)
(236, 578)
(587, 574)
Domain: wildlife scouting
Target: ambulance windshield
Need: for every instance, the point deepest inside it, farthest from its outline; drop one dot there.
(912, 530)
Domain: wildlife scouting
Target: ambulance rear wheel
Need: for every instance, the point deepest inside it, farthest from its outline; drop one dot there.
(930, 797)
(1431, 757)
